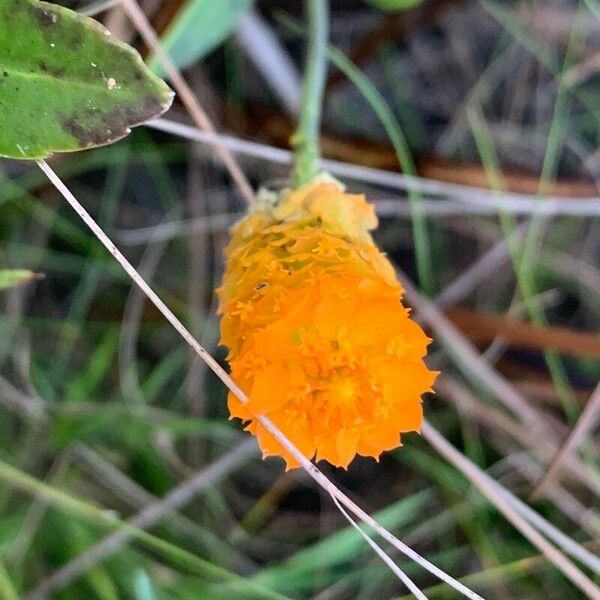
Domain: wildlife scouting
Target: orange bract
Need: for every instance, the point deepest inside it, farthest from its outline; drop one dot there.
(317, 335)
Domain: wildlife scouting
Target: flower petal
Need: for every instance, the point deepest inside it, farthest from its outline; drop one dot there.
(270, 389)
(316, 331)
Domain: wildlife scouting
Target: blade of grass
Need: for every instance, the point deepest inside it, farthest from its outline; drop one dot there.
(107, 519)
(527, 264)
(544, 55)
(522, 257)
(144, 590)
(131, 492)
(343, 546)
(271, 59)
(77, 538)
(7, 589)
(475, 520)
(503, 573)
(476, 369)
(149, 516)
(496, 494)
(582, 428)
(95, 8)
(87, 288)
(594, 8)
(495, 421)
(89, 378)
(394, 132)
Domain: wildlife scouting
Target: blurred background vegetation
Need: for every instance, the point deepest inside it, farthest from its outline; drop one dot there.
(104, 411)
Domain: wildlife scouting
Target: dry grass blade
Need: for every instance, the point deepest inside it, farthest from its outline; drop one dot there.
(384, 557)
(576, 269)
(467, 195)
(28, 407)
(21, 545)
(470, 357)
(496, 419)
(272, 61)
(149, 516)
(131, 322)
(538, 422)
(586, 422)
(173, 229)
(496, 494)
(186, 95)
(573, 508)
(497, 422)
(95, 8)
(277, 129)
(308, 466)
(128, 490)
(484, 328)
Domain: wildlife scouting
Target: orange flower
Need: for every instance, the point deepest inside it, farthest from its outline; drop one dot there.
(317, 335)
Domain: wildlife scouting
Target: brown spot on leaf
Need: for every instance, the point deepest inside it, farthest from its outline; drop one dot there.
(44, 16)
(73, 37)
(90, 128)
(56, 72)
(92, 134)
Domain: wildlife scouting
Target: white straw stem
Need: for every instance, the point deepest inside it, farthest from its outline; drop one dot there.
(467, 195)
(309, 467)
(186, 95)
(585, 424)
(91, 10)
(496, 494)
(384, 557)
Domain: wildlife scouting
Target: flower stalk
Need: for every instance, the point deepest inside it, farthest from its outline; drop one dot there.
(319, 341)
(305, 140)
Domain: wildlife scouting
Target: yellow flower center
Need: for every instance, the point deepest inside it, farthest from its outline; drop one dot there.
(345, 390)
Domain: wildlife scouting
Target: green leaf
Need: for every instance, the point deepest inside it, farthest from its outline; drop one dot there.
(90, 376)
(199, 28)
(7, 588)
(66, 84)
(144, 590)
(10, 278)
(393, 4)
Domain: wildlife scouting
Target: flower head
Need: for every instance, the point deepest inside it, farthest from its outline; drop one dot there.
(316, 332)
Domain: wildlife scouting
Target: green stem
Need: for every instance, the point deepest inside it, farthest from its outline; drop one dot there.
(519, 258)
(306, 138)
(389, 122)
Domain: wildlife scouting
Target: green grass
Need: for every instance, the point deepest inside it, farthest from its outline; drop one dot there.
(249, 535)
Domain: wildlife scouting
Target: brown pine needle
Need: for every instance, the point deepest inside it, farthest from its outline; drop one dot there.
(586, 422)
